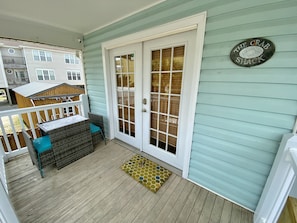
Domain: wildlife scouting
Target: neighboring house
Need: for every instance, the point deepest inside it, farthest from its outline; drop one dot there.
(226, 129)
(25, 62)
(14, 71)
(37, 93)
(54, 65)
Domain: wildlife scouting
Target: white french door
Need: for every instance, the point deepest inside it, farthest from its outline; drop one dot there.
(150, 94)
(126, 80)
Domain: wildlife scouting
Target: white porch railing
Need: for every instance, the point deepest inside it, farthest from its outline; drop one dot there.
(43, 113)
(279, 183)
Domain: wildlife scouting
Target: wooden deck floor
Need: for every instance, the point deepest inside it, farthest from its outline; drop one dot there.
(95, 189)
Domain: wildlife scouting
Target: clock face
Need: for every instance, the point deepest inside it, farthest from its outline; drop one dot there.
(252, 52)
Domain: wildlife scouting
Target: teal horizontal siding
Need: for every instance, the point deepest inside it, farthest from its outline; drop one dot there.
(269, 105)
(258, 75)
(247, 128)
(279, 60)
(250, 116)
(237, 138)
(220, 185)
(241, 113)
(283, 91)
(237, 149)
(245, 178)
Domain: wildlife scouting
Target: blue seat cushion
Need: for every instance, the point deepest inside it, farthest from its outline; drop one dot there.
(94, 128)
(42, 144)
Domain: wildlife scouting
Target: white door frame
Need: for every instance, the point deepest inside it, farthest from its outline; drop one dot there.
(195, 22)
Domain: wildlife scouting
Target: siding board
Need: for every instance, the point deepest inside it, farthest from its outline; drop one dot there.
(236, 149)
(267, 132)
(240, 32)
(240, 176)
(251, 103)
(235, 164)
(277, 11)
(228, 188)
(241, 113)
(255, 117)
(284, 91)
(279, 60)
(238, 138)
(253, 75)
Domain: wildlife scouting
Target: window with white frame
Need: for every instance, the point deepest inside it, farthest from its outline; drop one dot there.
(45, 74)
(41, 55)
(73, 75)
(71, 59)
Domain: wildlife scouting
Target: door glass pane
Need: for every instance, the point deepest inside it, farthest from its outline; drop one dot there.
(154, 102)
(176, 83)
(163, 104)
(155, 82)
(124, 67)
(166, 59)
(166, 84)
(131, 99)
(178, 58)
(156, 60)
(119, 80)
(132, 115)
(174, 105)
(131, 80)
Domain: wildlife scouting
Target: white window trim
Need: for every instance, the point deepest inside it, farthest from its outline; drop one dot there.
(69, 55)
(43, 74)
(73, 71)
(46, 53)
(195, 22)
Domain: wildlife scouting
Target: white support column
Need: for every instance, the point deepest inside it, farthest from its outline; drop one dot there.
(279, 183)
(7, 213)
(85, 105)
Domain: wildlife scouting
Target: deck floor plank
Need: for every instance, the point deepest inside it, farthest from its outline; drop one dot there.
(152, 209)
(207, 208)
(188, 205)
(95, 189)
(168, 206)
(216, 212)
(198, 206)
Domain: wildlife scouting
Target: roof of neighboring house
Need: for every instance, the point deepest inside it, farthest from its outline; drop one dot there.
(34, 88)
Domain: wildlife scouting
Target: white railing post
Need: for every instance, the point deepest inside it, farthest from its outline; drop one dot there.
(279, 182)
(85, 105)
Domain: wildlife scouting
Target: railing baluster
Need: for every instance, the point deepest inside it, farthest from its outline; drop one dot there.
(46, 115)
(32, 127)
(16, 138)
(21, 121)
(61, 115)
(39, 119)
(5, 137)
(54, 115)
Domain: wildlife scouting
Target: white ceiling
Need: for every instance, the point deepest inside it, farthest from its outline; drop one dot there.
(81, 16)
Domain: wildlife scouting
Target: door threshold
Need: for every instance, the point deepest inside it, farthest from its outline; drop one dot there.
(154, 159)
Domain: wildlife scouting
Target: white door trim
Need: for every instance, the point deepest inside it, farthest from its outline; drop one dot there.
(195, 22)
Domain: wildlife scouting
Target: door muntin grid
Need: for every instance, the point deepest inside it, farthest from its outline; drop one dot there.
(166, 83)
(124, 71)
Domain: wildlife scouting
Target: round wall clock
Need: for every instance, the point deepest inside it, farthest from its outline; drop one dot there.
(252, 52)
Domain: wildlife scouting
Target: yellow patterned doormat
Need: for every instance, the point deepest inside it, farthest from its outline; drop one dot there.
(146, 172)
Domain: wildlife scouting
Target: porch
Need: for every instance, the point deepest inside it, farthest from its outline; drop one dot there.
(95, 189)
